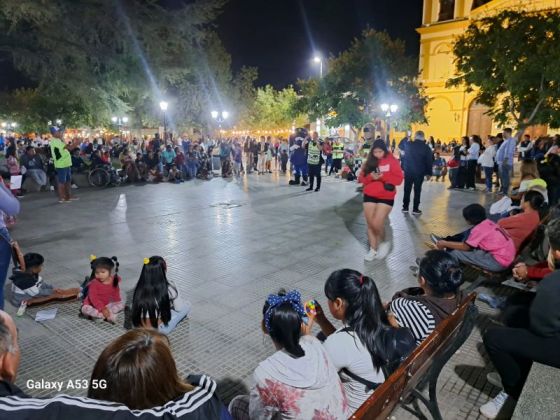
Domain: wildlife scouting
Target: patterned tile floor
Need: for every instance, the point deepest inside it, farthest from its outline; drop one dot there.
(228, 243)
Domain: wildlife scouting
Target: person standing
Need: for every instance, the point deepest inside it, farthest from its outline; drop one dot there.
(9, 206)
(381, 174)
(417, 165)
(504, 159)
(486, 160)
(328, 152)
(62, 159)
(473, 153)
(338, 155)
(314, 150)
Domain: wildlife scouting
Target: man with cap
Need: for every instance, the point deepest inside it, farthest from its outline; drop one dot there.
(62, 160)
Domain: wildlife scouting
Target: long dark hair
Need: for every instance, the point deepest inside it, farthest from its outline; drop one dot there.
(284, 324)
(364, 311)
(108, 264)
(152, 294)
(372, 162)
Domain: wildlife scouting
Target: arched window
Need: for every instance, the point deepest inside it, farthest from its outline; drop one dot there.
(478, 3)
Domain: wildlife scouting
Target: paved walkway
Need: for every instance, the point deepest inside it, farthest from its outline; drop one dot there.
(228, 245)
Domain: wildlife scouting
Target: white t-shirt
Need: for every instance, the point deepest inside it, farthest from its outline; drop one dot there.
(346, 350)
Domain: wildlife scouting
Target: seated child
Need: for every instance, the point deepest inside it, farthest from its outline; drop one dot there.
(487, 245)
(102, 293)
(156, 302)
(28, 286)
(439, 167)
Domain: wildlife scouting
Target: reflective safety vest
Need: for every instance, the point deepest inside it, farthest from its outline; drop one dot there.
(365, 148)
(338, 151)
(313, 154)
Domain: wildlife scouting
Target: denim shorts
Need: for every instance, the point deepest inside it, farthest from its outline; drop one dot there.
(64, 175)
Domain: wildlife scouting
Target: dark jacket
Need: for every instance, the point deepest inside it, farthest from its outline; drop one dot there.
(198, 404)
(418, 159)
(545, 308)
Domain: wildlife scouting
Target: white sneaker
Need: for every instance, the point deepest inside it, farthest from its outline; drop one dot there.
(493, 407)
(383, 249)
(74, 187)
(371, 255)
(495, 379)
(51, 188)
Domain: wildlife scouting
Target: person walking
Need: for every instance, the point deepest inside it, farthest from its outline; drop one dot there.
(504, 159)
(381, 174)
(338, 155)
(417, 165)
(314, 150)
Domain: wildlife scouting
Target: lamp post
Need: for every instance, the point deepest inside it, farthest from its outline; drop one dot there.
(120, 121)
(318, 60)
(389, 111)
(163, 106)
(220, 118)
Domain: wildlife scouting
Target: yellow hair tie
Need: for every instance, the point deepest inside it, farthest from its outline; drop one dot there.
(92, 257)
(146, 261)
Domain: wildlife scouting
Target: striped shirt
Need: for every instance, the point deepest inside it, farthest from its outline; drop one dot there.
(415, 316)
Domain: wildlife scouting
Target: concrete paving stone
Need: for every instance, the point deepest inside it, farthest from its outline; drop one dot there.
(226, 262)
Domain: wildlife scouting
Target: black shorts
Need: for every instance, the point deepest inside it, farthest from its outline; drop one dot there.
(369, 199)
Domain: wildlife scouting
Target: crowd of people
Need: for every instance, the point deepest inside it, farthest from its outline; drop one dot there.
(312, 374)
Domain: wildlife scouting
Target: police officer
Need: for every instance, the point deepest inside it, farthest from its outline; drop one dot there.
(338, 155)
(314, 150)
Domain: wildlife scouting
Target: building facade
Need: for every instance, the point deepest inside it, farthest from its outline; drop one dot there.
(453, 112)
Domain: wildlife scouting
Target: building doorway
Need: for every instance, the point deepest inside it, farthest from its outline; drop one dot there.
(479, 122)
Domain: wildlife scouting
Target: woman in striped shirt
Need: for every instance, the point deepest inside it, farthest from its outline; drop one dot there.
(421, 309)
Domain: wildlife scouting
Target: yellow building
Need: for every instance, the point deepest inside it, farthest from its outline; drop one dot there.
(452, 112)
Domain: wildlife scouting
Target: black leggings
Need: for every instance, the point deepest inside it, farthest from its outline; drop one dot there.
(471, 173)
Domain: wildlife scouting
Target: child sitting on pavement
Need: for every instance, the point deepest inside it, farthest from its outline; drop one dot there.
(28, 286)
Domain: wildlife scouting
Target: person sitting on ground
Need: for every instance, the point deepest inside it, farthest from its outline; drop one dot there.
(422, 309)
(299, 381)
(34, 167)
(180, 160)
(532, 336)
(102, 293)
(439, 169)
(129, 166)
(487, 245)
(138, 370)
(366, 349)
(141, 166)
(156, 302)
(522, 225)
(153, 164)
(78, 163)
(28, 286)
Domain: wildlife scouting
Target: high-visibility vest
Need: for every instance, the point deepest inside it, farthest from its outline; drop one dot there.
(338, 151)
(313, 154)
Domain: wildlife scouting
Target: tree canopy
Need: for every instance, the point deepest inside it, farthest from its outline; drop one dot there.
(511, 61)
(374, 70)
(85, 67)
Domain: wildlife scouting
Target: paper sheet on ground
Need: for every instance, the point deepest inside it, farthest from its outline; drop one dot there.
(46, 314)
(15, 182)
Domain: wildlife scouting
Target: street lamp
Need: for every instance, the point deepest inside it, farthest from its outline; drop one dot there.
(389, 110)
(317, 59)
(220, 117)
(163, 105)
(120, 121)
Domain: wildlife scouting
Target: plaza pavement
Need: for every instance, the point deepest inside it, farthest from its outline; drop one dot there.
(228, 244)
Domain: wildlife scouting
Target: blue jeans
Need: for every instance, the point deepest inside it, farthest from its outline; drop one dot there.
(5, 256)
(181, 309)
(488, 173)
(505, 176)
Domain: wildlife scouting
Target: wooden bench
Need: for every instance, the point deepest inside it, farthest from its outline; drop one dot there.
(405, 386)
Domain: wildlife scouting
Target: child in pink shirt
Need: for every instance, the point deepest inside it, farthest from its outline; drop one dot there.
(487, 246)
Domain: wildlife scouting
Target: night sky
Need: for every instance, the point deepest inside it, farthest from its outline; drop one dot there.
(279, 36)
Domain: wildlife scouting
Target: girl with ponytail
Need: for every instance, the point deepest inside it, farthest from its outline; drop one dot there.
(103, 299)
(366, 349)
(298, 380)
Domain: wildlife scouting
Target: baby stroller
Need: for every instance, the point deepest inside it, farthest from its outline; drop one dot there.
(205, 168)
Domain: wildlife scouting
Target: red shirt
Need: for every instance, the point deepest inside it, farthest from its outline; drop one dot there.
(520, 226)
(391, 173)
(99, 295)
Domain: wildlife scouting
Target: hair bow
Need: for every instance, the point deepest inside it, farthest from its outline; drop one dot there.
(146, 261)
(92, 257)
(293, 297)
